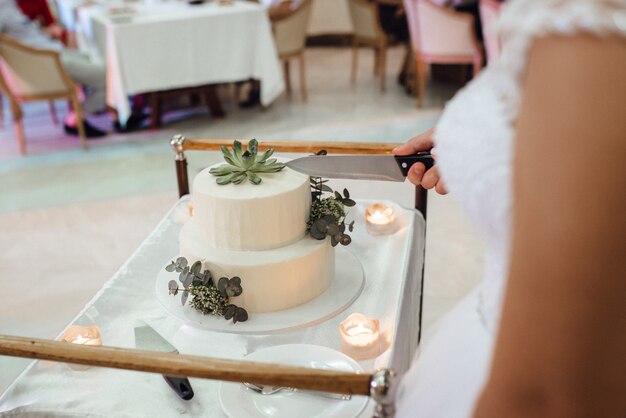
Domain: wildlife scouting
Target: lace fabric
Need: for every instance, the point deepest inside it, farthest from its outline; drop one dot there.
(476, 132)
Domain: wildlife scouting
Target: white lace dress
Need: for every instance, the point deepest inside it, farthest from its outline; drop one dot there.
(474, 140)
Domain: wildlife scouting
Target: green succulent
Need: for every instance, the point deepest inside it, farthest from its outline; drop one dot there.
(244, 165)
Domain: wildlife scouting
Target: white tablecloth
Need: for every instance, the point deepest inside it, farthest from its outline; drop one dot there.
(173, 45)
(393, 271)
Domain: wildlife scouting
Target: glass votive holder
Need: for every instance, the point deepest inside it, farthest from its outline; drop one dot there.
(380, 219)
(82, 335)
(360, 336)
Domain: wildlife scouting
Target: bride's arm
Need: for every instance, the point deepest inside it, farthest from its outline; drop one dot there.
(561, 346)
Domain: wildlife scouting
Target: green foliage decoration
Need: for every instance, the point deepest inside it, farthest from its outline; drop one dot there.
(206, 297)
(242, 165)
(328, 214)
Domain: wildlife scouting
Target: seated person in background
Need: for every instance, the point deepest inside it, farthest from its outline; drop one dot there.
(393, 22)
(91, 75)
(79, 66)
(38, 11)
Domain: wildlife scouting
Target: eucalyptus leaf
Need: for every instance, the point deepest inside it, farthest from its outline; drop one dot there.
(196, 267)
(171, 267)
(173, 287)
(183, 274)
(184, 296)
(188, 280)
(221, 285)
(348, 202)
(230, 311)
(206, 278)
(346, 193)
(333, 229)
(241, 315)
(181, 262)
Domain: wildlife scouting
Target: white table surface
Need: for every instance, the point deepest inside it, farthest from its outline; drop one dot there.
(393, 271)
(170, 45)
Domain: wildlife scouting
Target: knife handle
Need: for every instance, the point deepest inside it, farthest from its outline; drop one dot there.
(406, 161)
(181, 386)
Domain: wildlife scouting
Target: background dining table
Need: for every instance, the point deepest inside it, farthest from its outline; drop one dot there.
(159, 46)
(392, 266)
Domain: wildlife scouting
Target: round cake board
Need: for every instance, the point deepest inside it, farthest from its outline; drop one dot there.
(344, 289)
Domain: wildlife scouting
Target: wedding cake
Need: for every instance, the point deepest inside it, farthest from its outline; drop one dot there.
(258, 232)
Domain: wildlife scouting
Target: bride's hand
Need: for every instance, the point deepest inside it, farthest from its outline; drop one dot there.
(418, 174)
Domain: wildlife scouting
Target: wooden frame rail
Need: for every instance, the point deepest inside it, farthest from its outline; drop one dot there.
(381, 385)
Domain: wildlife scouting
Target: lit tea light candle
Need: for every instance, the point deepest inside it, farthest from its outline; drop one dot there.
(380, 219)
(360, 336)
(80, 335)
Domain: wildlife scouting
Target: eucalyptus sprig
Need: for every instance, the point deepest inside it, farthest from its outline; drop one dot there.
(328, 214)
(242, 165)
(206, 297)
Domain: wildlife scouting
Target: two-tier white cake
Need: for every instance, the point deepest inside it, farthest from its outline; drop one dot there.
(258, 233)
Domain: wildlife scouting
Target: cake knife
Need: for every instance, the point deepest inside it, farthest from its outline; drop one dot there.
(146, 338)
(366, 167)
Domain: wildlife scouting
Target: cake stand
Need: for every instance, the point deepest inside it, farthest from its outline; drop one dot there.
(344, 289)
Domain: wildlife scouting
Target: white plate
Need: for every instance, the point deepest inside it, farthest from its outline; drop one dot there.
(237, 401)
(344, 289)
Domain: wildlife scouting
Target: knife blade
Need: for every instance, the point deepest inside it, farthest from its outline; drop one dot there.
(366, 167)
(146, 338)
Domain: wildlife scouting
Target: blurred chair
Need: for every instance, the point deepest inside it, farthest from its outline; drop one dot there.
(440, 35)
(368, 32)
(30, 74)
(489, 12)
(289, 24)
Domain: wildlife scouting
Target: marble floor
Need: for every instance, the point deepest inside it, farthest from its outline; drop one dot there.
(69, 218)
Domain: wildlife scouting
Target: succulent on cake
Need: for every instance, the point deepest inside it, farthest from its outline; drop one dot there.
(206, 298)
(248, 164)
(328, 214)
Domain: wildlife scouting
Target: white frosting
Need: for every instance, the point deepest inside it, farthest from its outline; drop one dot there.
(252, 217)
(273, 279)
(257, 232)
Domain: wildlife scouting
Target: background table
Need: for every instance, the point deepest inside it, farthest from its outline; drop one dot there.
(172, 45)
(392, 266)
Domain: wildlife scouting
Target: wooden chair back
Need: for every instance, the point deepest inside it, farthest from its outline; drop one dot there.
(29, 74)
(365, 19)
(32, 73)
(290, 30)
(441, 34)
